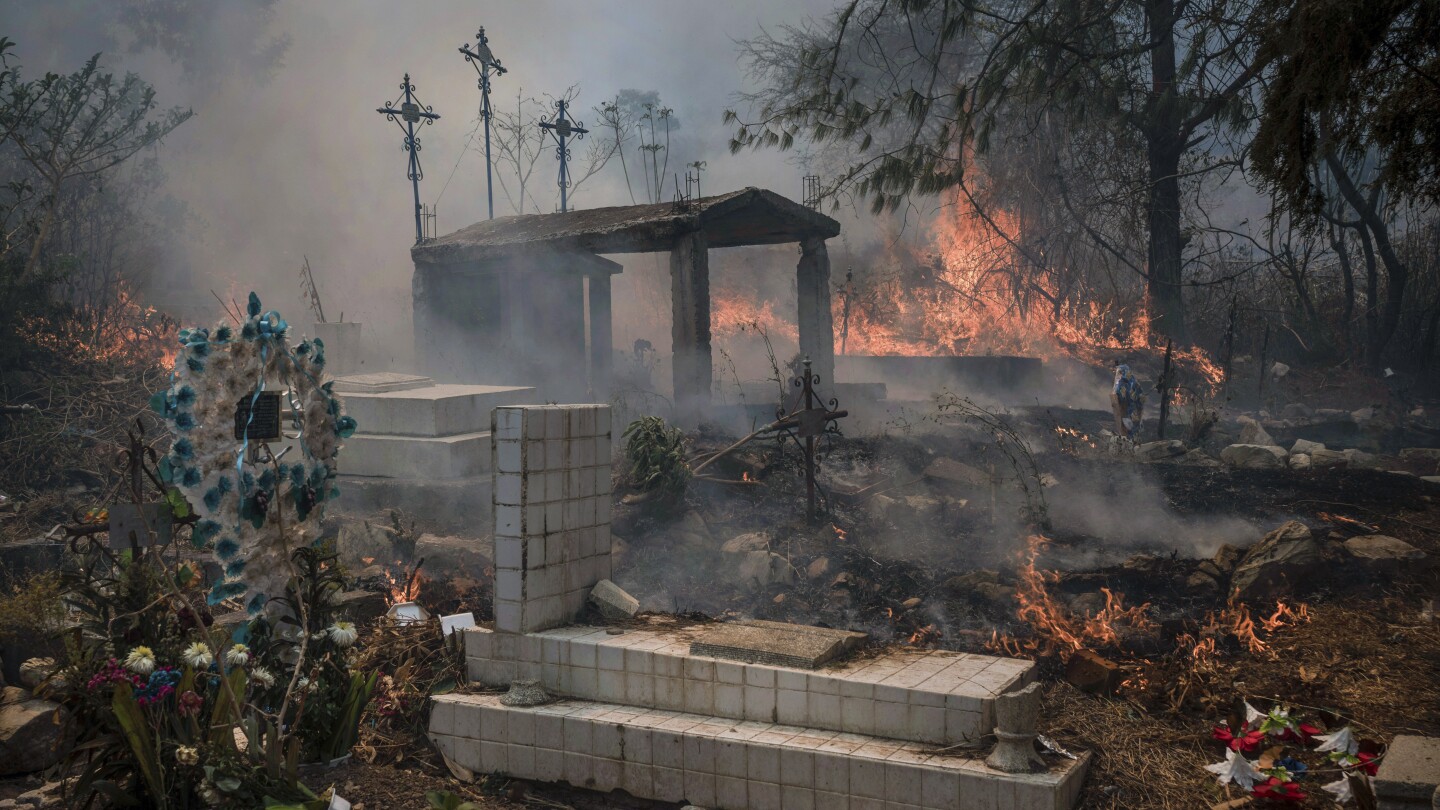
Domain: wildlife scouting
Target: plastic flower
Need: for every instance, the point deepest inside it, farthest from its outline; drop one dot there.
(186, 754)
(190, 704)
(1276, 789)
(343, 634)
(198, 655)
(1342, 741)
(1236, 769)
(262, 676)
(238, 656)
(1246, 741)
(141, 660)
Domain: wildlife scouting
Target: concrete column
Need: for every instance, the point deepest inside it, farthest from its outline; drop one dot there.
(817, 324)
(690, 327)
(423, 315)
(602, 337)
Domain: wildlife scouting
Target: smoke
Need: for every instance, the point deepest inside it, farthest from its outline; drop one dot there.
(286, 157)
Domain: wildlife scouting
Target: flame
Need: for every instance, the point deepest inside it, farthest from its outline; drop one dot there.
(405, 588)
(1284, 614)
(1055, 630)
(1071, 439)
(734, 312)
(125, 330)
(1341, 520)
(745, 476)
(925, 635)
(840, 534)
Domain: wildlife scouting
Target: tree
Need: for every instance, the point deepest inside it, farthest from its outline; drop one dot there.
(919, 89)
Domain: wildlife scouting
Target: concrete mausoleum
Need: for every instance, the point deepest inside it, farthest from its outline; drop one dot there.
(726, 716)
(526, 299)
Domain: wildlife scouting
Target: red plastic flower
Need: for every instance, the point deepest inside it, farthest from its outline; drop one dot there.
(190, 703)
(1276, 790)
(1246, 742)
(1368, 763)
(1302, 733)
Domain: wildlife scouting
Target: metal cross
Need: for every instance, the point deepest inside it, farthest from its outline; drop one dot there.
(411, 113)
(562, 128)
(484, 62)
(807, 418)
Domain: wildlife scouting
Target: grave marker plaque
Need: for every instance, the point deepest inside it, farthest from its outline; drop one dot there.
(257, 417)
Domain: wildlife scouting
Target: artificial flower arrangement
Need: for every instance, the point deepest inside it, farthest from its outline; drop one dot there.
(168, 709)
(1272, 754)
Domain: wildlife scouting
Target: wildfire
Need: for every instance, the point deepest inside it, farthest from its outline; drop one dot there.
(1349, 523)
(125, 330)
(840, 533)
(1284, 615)
(1071, 439)
(734, 312)
(402, 590)
(925, 635)
(1055, 630)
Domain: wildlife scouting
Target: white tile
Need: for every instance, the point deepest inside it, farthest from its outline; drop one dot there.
(792, 707)
(760, 704)
(731, 792)
(554, 517)
(639, 689)
(667, 749)
(521, 761)
(611, 656)
(507, 457)
(730, 758)
(522, 728)
(479, 642)
(669, 784)
(510, 550)
(892, 719)
(638, 780)
(797, 767)
(605, 740)
(494, 756)
(507, 616)
(670, 694)
(799, 798)
(700, 788)
(867, 778)
(700, 697)
(940, 789)
(729, 700)
(857, 716)
(763, 763)
(729, 672)
(763, 796)
(611, 686)
(903, 783)
(638, 661)
(584, 682)
(927, 724)
(549, 765)
(699, 755)
(533, 460)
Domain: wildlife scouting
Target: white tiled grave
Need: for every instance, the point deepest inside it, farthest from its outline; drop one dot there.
(642, 713)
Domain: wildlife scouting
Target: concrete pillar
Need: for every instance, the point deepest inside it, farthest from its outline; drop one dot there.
(690, 327)
(817, 324)
(602, 337)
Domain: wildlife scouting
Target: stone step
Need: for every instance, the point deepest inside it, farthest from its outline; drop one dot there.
(929, 696)
(727, 765)
(462, 455)
(433, 410)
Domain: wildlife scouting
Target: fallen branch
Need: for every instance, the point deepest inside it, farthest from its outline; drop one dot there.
(776, 425)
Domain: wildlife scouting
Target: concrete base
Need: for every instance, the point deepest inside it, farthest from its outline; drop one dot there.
(1409, 774)
(461, 455)
(432, 410)
(679, 757)
(461, 505)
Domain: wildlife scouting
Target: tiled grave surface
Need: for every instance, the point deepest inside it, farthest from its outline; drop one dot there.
(675, 756)
(927, 696)
(778, 643)
(552, 512)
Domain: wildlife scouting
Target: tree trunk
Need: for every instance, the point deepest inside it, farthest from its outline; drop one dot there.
(1163, 147)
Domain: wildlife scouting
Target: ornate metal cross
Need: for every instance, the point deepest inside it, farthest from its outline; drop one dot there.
(560, 129)
(484, 62)
(411, 113)
(808, 419)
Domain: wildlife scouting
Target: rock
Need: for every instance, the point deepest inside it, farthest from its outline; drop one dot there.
(1210, 569)
(1421, 453)
(1090, 672)
(1087, 604)
(994, 594)
(819, 567)
(1297, 410)
(450, 557)
(1409, 772)
(691, 530)
(1360, 458)
(1279, 370)
(1299, 461)
(1159, 451)
(1328, 459)
(1227, 557)
(1363, 415)
(1146, 564)
(922, 508)
(1382, 550)
(613, 602)
(1430, 479)
(1254, 456)
(34, 672)
(745, 543)
(1251, 432)
(880, 507)
(1306, 446)
(761, 568)
(29, 736)
(1202, 584)
(618, 549)
(1284, 557)
(46, 796)
(361, 543)
(1199, 458)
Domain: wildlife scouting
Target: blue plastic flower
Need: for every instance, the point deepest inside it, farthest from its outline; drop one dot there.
(223, 334)
(252, 307)
(185, 397)
(184, 421)
(224, 484)
(200, 348)
(345, 427)
(183, 449)
(235, 568)
(192, 477)
(212, 497)
(227, 548)
(195, 365)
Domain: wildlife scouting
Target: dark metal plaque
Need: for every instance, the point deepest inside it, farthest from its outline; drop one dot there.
(258, 417)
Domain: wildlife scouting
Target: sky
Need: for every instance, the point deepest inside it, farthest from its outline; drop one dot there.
(294, 161)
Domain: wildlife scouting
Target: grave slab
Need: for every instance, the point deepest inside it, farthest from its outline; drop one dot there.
(778, 643)
(1409, 773)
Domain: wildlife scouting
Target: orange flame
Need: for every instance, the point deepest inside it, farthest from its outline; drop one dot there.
(840, 534)
(405, 588)
(126, 330)
(1055, 630)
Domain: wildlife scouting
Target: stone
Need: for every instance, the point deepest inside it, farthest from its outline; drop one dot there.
(526, 692)
(1328, 459)
(1090, 672)
(618, 549)
(1016, 714)
(1273, 565)
(1198, 458)
(1254, 456)
(954, 472)
(1227, 557)
(819, 567)
(761, 568)
(691, 530)
(1382, 550)
(1306, 446)
(613, 602)
(30, 738)
(34, 672)
(745, 543)
(1251, 432)
(1360, 458)
(1202, 584)
(1421, 453)
(1299, 461)
(775, 643)
(921, 508)
(361, 607)
(1159, 451)
(362, 543)
(1409, 772)
(1087, 604)
(1363, 415)
(996, 594)
(1146, 564)
(453, 557)
(1297, 410)
(1212, 569)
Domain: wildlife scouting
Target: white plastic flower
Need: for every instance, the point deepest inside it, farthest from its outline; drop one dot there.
(303, 684)
(1342, 741)
(262, 676)
(238, 656)
(1237, 769)
(141, 660)
(343, 634)
(1340, 789)
(198, 655)
(187, 755)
